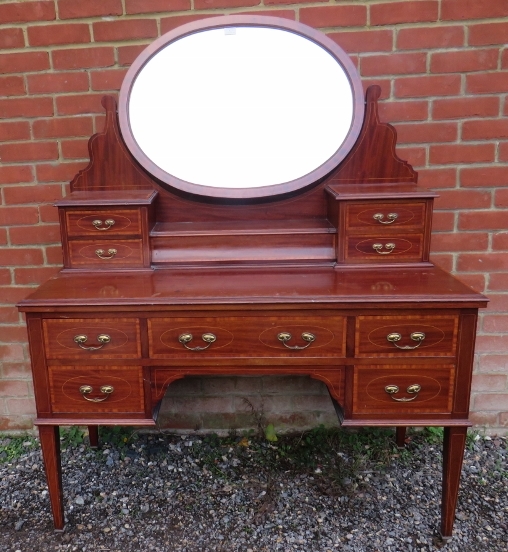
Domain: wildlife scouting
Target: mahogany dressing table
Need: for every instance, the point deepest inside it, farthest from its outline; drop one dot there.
(264, 261)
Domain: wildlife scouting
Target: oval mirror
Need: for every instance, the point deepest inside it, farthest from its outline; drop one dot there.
(241, 107)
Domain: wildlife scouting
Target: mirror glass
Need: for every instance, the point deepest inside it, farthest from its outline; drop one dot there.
(238, 111)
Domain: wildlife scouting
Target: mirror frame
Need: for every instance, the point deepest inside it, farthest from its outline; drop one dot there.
(304, 181)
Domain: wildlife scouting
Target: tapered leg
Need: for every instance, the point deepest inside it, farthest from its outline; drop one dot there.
(453, 455)
(50, 444)
(93, 436)
(400, 436)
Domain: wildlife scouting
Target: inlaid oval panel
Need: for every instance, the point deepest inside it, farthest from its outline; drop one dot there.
(368, 246)
(386, 215)
(114, 223)
(430, 388)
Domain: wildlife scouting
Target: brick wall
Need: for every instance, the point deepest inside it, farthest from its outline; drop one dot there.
(443, 69)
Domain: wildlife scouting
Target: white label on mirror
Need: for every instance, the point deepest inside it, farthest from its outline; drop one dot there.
(256, 108)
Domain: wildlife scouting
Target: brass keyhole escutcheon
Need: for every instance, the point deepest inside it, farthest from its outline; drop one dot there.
(186, 338)
(284, 337)
(81, 339)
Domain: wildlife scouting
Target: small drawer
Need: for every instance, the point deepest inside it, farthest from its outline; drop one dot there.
(106, 253)
(403, 389)
(366, 216)
(402, 336)
(377, 249)
(121, 222)
(89, 389)
(92, 338)
(292, 336)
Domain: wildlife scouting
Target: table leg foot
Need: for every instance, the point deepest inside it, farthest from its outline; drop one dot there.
(93, 436)
(50, 445)
(400, 436)
(453, 454)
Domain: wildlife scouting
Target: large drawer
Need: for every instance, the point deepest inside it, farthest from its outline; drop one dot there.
(92, 338)
(95, 389)
(117, 222)
(403, 389)
(402, 336)
(286, 336)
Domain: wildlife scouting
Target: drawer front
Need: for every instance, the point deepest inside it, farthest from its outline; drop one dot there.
(403, 336)
(385, 216)
(121, 222)
(291, 336)
(92, 338)
(90, 389)
(106, 253)
(403, 389)
(384, 249)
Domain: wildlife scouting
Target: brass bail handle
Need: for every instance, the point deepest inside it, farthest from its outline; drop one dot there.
(378, 248)
(186, 338)
(412, 389)
(81, 339)
(284, 337)
(415, 336)
(105, 256)
(106, 390)
(391, 218)
(98, 224)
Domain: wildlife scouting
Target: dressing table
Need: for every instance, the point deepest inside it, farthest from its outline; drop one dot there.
(244, 213)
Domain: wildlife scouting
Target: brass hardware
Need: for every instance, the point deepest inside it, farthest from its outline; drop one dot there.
(284, 337)
(208, 338)
(379, 246)
(415, 336)
(102, 254)
(104, 389)
(392, 217)
(81, 339)
(108, 223)
(413, 389)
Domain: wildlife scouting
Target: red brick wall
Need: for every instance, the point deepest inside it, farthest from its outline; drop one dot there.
(443, 69)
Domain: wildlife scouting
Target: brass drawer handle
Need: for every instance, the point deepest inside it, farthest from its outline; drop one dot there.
(392, 217)
(208, 338)
(415, 336)
(108, 223)
(102, 254)
(379, 246)
(105, 390)
(81, 339)
(284, 337)
(413, 389)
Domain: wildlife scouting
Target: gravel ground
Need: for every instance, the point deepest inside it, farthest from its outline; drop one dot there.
(314, 492)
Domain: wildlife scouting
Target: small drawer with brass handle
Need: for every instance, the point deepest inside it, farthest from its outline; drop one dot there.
(384, 249)
(96, 389)
(207, 338)
(406, 335)
(378, 388)
(366, 215)
(119, 222)
(91, 338)
(106, 253)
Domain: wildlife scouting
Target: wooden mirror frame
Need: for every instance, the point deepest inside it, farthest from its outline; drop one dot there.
(307, 180)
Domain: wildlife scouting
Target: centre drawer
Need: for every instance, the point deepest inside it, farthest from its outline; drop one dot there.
(89, 389)
(403, 336)
(92, 338)
(247, 336)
